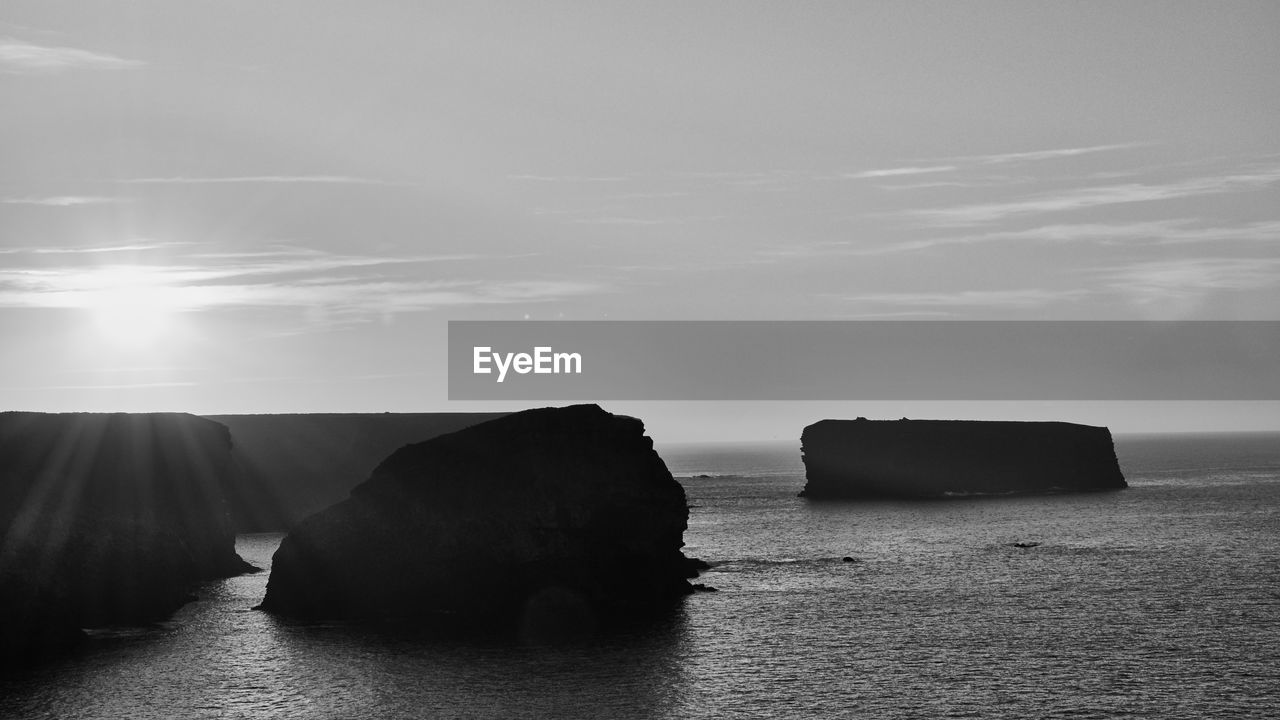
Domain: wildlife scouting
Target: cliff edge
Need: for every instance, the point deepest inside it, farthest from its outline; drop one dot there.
(290, 466)
(106, 519)
(940, 458)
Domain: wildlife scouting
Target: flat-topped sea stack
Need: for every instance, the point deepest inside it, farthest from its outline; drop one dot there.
(107, 519)
(548, 517)
(853, 459)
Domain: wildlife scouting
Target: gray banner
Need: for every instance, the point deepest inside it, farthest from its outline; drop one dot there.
(863, 360)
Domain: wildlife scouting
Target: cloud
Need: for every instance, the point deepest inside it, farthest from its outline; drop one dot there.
(1174, 231)
(1036, 155)
(625, 220)
(1024, 297)
(648, 195)
(569, 178)
(1154, 232)
(774, 179)
(1110, 232)
(894, 172)
(1190, 279)
(1083, 198)
(17, 57)
(317, 179)
(116, 386)
(325, 285)
(132, 247)
(286, 265)
(1267, 231)
(60, 200)
(1083, 232)
(928, 185)
(985, 181)
(345, 299)
(622, 220)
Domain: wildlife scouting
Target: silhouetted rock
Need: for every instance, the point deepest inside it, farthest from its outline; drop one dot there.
(529, 521)
(694, 567)
(106, 519)
(289, 466)
(938, 458)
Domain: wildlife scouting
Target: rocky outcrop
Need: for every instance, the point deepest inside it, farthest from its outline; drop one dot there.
(107, 519)
(939, 458)
(290, 466)
(549, 518)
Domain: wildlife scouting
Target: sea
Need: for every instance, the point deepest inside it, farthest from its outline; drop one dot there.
(1158, 601)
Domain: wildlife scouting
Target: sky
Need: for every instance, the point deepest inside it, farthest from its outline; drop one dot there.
(276, 207)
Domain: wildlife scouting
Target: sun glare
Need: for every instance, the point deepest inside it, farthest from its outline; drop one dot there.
(132, 307)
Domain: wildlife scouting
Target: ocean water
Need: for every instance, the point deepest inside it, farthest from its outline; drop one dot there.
(1158, 601)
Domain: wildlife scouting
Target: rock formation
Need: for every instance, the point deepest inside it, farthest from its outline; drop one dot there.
(107, 519)
(289, 466)
(938, 458)
(540, 519)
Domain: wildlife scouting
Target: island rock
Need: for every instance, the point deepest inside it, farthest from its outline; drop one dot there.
(940, 458)
(543, 517)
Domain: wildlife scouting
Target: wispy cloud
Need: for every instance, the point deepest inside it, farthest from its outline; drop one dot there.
(1157, 232)
(930, 185)
(249, 179)
(18, 57)
(343, 297)
(648, 195)
(1094, 232)
(326, 285)
(288, 265)
(1183, 279)
(60, 200)
(1081, 198)
(88, 249)
(894, 314)
(1174, 231)
(624, 220)
(1035, 155)
(570, 178)
(895, 172)
(1267, 231)
(117, 386)
(1014, 298)
(621, 220)
(979, 181)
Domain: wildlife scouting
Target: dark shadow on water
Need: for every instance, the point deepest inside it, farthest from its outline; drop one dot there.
(220, 659)
(628, 670)
(396, 635)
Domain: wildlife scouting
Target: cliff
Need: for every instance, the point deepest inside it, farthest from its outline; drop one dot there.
(289, 466)
(937, 458)
(544, 518)
(107, 519)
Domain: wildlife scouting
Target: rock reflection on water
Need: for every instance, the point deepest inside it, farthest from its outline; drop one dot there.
(217, 658)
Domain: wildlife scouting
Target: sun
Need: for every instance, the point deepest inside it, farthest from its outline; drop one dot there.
(132, 306)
